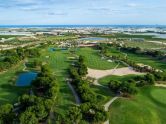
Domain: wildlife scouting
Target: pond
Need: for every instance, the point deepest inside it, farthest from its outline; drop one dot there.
(93, 39)
(57, 49)
(52, 49)
(25, 79)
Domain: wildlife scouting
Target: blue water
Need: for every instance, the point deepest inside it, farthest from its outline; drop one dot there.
(81, 26)
(52, 49)
(25, 79)
(63, 49)
(93, 39)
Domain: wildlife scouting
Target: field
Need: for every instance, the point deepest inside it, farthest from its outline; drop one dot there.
(144, 45)
(107, 79)
(8, 91)
(94, 61)
(128, 36)
(59, 64)
(147, 61)
(138, 58)
(7, 36)
(57, 38)
(147, 107)
(103, 94)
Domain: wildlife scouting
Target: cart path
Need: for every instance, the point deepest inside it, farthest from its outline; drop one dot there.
(77, 99)
(107, 105)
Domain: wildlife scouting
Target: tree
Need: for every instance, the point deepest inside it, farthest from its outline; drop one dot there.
(75, 114)
(83, 70)
(81, 59)
(28, 117)
(6, 114)
(27, 100)
(150, 79)
(115, 85)
(39, 110)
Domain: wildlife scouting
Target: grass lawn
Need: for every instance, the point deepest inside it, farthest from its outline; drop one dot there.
(103, 94)
(107, 79)
(9, 93)
(147, 107)
(58, 38)
(59, 64)
(143, 45)
(147, 60)
(140, 59)
(94, 61)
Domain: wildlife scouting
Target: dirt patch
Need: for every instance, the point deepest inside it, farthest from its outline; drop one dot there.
(97, 74)
(160, 85)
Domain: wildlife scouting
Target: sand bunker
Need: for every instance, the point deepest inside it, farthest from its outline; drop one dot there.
(160, 85)
(97, 74)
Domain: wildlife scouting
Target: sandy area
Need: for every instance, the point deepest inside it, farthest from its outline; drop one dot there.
(160, 85)
(86, 45)
(158, 42)
(97, 74)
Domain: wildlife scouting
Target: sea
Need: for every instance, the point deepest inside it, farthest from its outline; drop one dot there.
(82, 26)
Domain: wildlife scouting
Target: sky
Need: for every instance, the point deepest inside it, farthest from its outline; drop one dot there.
(82, 12)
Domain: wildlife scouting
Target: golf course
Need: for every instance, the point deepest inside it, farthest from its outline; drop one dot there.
(146, 106)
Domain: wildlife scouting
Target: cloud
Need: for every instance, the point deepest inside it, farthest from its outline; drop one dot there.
(57, 13)
(99, 9)
(132, 5)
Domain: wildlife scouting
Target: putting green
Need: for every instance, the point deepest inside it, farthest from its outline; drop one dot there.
(147, 107)
(93, 59)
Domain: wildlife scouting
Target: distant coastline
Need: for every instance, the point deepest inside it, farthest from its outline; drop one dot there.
(82, 26)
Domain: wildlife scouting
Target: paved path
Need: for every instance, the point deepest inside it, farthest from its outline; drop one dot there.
(107, 122)
(78, 101)
(107, 105)
(25, 67)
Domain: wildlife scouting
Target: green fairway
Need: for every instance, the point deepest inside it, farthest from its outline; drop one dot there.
(144, 44)
(147, 107)
(59, 63)
(94, 61)
(147, 61)
(9, 93)
(107, 79)
(103, 94)
(138, 58)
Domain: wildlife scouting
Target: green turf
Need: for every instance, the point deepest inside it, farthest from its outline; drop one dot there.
(103, 94)
(107, 79)
(9, 93)
(144, 45)
(148, 107)
(59, 63)
(94, 61)
(147, 61)
(138, 58)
